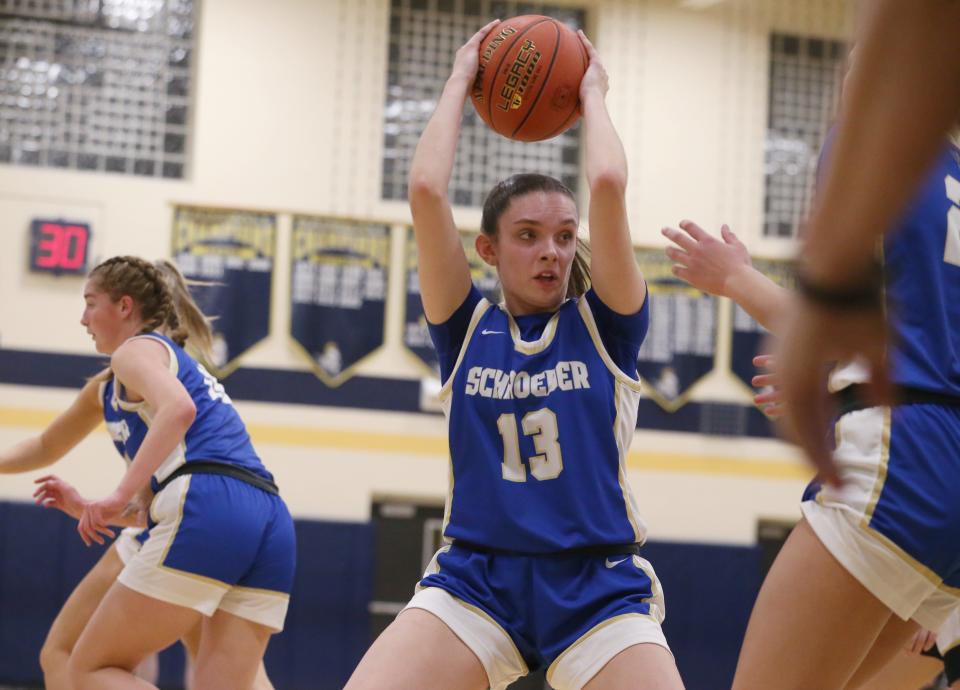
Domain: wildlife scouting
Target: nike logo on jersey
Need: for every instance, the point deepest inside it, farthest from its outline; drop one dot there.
(486, 332)
(507, 385)
(612, 564)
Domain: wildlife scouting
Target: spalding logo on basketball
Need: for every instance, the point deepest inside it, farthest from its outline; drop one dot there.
(528, 84)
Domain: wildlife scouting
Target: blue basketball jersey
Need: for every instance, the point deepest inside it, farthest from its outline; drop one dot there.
(217, 433)
(539, 431)
(921, 257)
(922, 269)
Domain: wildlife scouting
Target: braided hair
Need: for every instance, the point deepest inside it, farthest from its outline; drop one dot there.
(161, 293)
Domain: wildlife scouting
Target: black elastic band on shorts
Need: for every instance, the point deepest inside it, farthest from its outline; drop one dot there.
(235, 471)
(951, 664)
(854, 398)
(599, 550)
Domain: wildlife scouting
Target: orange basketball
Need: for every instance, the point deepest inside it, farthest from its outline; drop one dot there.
(528, 84)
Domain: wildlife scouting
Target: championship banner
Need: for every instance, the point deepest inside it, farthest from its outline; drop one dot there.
(680, 346)
(231, 254)
(748, 335)
(338, 292)
(416, 336)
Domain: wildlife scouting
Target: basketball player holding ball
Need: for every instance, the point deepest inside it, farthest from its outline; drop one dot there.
(541, 567)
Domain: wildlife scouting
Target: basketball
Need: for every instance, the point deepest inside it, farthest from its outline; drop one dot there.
(528, 85)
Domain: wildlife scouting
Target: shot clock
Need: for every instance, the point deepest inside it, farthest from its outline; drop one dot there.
(59, 247)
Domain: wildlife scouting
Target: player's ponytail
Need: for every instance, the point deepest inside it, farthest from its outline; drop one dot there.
(498, 200)
(194, 325)
(580, 271)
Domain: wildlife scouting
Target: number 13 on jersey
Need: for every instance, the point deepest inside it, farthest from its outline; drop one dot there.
(541, 426)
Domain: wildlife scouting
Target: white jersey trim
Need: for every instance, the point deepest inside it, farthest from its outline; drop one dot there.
(142, 409)
(532, 347)
(478, 311)
(173, 365)
(587, 315)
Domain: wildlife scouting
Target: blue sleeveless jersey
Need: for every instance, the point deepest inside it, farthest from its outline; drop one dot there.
(217, 433)
(921, 257)
(922, 270)
(539, 432)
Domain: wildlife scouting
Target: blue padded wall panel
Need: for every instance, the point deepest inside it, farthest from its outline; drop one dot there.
(709, 594)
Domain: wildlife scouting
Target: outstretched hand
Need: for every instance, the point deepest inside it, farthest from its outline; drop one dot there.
(96, 517)
(812, 340)
(702, 260)
(54, 492)
(770, 398)
(467, 59)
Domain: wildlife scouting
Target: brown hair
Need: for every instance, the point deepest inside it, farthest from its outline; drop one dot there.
(498, 201)
(162, 295)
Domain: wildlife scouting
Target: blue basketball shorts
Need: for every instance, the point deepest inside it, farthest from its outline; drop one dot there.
(517, 613)
(894, 523)
(216, 542)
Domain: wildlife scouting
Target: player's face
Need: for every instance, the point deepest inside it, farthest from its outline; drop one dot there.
(104, 319)
(534, 250)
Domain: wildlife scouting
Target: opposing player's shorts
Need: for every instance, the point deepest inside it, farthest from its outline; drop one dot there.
(572, 614)
(217, 543)
(894, 523)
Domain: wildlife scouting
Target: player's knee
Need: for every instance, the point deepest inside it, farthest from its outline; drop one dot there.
(53, 657)
(81, 674)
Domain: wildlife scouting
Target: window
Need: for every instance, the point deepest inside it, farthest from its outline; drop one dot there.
(805, 76)
(424, 35)
(96, 85)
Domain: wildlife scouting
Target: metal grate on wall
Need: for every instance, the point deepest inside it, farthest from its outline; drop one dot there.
(424, 35)
(805, 78)
(96, 84)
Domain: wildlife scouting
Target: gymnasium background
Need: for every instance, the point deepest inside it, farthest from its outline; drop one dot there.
(263, 146)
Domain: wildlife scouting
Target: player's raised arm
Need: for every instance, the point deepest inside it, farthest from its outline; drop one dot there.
(443, 268)
(616, 277)
(723, 267)
(900, 100)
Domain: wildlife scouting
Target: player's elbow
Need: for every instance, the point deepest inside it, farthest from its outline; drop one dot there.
(182, 412)
(422, 189)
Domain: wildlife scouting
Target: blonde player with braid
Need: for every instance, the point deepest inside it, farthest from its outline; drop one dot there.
(128, 295)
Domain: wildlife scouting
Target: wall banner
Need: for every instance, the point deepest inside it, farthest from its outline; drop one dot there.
(681, 344)
(416, 336)
(230, 254)
(338, 292)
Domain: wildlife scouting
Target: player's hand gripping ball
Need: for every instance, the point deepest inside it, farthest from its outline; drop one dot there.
(528, 85)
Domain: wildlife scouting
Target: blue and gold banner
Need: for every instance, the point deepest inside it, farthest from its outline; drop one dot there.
(680, 346)
(416, 336)
(338, 292)
(231, 252)
(748, 335)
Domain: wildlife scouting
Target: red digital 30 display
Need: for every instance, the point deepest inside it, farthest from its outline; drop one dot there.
(58, 246)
